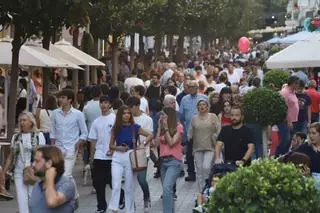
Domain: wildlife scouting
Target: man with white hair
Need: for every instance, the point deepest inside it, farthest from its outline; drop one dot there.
(168, 73)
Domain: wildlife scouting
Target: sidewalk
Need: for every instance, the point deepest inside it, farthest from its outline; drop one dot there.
(87, 202)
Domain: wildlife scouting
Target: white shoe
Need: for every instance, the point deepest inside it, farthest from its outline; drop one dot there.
(198, 209)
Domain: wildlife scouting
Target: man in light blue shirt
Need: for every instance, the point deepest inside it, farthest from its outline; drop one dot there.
(69, 130)
(302, 75)
(188, 109)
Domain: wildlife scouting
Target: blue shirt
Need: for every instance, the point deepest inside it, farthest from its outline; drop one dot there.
(38, 203)
(188, 109)
(125, 135)
(91, 112)
(68, 128)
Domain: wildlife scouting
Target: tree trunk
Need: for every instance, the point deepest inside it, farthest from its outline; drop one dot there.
(75, 74)
(115, 60)
(180, 52)
(132, 53)
(141, 48)
(170, 46)
(157, 46)
(16, 45)
(46, 72)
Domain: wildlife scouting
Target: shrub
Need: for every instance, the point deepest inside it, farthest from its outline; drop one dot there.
(274, 79)
(267, 186)
(264, 106)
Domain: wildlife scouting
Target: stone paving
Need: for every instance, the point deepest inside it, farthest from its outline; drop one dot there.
(186, 192)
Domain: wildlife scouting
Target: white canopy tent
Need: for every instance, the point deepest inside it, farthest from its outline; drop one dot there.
(291, 39)
(275, 40)
(65, 50)
(33, 55)
(299, 55)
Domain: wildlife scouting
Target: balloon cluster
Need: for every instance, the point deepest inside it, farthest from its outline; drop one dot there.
(312, 24)
(243, 44)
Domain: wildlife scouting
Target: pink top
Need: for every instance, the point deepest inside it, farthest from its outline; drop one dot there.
(175, 151)
(292, 103)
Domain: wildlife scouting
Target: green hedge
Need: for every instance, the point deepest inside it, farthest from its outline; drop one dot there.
(264, 106)
(274, 79)
(267, 186)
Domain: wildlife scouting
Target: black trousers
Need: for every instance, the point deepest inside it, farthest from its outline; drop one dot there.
(101, 176)
(190, 159)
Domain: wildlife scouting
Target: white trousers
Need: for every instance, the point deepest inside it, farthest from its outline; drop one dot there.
(23, 194)
(121, 167)
(69, 161)
(203, 161)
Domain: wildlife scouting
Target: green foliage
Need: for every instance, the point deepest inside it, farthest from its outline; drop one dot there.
(267, 186)
(264, 106)
(275, 79)
(274, 49)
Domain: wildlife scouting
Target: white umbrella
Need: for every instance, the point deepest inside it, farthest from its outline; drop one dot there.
(299, 55)
(300, 36)
(32, 55)
(65, 50)
(275, 40)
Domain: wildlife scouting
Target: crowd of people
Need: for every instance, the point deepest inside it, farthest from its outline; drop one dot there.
(188, 113)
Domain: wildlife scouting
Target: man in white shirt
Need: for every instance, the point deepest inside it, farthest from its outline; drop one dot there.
(222, 82)
(132, 81)
(233, 77)
(168, 73)
(69, 130)
(99, 136)
(146, 123)
(139, 92)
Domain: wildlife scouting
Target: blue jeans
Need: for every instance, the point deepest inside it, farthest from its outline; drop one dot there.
(301, 126)
(284, 144)
(142, 179)
(170, 171)
(314, 117)
(257, 131)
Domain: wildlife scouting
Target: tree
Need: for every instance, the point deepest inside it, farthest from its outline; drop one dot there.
(267, 186)
(116, 18)
(30, 18)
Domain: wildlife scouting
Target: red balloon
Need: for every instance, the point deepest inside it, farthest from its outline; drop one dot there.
(243, 44)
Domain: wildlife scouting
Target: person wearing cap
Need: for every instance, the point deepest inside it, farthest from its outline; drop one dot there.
(99, 136)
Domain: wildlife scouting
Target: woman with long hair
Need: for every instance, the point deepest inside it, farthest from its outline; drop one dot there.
(225, 115)
(43, 117)
(169, 135)
(204, 130)
(23, 148)
(123, 140)
(225, 95)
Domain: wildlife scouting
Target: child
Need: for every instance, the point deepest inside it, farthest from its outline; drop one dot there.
(297, 139)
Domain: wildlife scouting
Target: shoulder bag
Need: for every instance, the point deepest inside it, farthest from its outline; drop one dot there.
(138, 158)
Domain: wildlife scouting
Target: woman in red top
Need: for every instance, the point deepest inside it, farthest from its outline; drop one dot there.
(169, 135)
(225, 115)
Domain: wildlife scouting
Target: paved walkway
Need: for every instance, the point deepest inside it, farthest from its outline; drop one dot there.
(87, 201)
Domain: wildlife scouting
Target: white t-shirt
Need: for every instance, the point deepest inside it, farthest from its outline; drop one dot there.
(218, 87)
(22, 93)
(144, 106)
(27, 149)
(239, 71)
(45, 120)
(146, 123)
(132, 81)
(233, 78)
(100, 131)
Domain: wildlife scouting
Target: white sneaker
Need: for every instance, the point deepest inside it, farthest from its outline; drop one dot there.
(147, 206)
(197, 209)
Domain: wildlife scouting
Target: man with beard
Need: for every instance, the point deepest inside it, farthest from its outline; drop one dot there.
(55, 192)
(236, 140)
